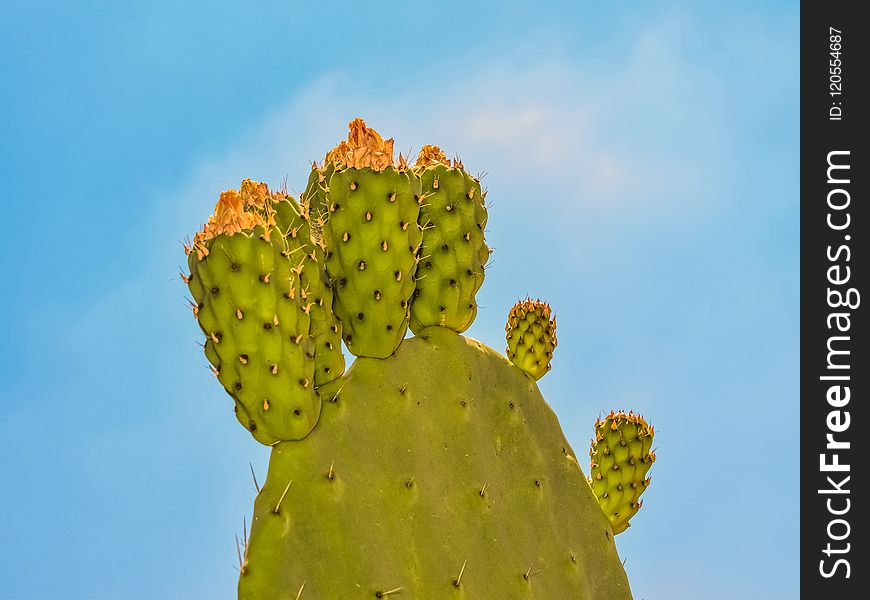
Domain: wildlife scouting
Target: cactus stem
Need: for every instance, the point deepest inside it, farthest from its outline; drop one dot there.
(254, 477)
(277, 509)
(458, 579)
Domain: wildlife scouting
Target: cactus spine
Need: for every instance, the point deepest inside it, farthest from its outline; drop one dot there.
(453, 218)
(315, 198)
(621, 457)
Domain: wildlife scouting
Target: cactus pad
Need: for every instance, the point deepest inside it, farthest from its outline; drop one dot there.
(371, 239)
(531, 336)
(621, 457)
(315, 295)
(453, 218)
(440, 472)
(257, 333)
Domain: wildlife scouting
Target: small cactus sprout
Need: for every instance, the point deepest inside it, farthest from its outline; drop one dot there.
(531, 336)
(432, 467)
(621, 456)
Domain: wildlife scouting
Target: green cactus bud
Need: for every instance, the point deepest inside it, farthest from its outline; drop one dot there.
(453, 218)
(257, 332)
(531, 336)
(621, 456)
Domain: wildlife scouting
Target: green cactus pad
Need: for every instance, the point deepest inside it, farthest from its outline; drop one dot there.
(257, 333)
(531, 336)
(371, 240)
(315, 295)
(621, 456)
(439, 472)
(451, 270)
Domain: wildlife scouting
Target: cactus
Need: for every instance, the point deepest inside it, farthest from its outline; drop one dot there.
(247, 302)
(371, 239)
(315, 293)
(531, 336)
(432, 466)
(621, 458)
(453, 217)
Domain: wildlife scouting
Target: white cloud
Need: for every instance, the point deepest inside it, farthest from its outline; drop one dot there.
(588, 136)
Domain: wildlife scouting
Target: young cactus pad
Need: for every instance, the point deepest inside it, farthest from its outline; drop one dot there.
(621, 456)
(531, 336)
(453, 218)
(247, 303)
(371, 240)
(315, 294)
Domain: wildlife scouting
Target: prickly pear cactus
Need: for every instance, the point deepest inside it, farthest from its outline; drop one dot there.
(451, 270)
(315, 293)
(247, 301)
(621, 456)
(531, 336)
(371, 240)
(432, 468)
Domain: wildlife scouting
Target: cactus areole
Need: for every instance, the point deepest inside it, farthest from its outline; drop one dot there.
(432, 467)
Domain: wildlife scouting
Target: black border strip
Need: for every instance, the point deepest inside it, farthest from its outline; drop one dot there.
(835, 367)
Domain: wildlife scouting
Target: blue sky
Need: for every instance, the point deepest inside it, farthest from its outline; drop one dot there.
(642, 162)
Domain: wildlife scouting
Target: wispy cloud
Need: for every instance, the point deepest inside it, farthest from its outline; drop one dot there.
(585, 136)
